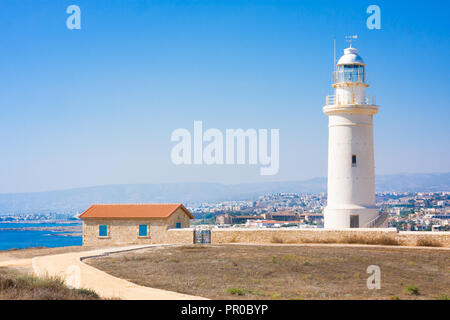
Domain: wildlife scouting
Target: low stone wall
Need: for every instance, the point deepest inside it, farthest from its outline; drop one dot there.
(385, 236)
(424, 238)
(281, 235)
(180, 236)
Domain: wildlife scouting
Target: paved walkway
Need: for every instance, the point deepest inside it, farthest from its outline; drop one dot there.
(77, 274)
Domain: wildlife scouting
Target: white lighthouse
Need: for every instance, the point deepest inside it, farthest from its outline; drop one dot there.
(351, 171)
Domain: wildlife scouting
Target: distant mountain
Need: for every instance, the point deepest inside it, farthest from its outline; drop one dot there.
(77, 200)
(422, 182)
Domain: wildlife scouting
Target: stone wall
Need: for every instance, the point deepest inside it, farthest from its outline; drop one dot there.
(281, 235)
(386, 236)
(180, 236)
(414, 238)
(126, 231)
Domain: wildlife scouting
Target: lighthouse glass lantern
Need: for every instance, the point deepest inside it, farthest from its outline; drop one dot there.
(350, 73)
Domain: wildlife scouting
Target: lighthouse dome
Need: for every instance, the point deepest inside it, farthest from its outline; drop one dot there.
(350, 57)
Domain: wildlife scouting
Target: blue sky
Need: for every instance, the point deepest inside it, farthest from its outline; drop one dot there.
(98, 105)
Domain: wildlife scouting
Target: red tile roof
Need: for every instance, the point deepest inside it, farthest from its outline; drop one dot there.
(122, 211)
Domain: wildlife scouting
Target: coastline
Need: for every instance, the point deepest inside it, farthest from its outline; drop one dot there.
(29, 234)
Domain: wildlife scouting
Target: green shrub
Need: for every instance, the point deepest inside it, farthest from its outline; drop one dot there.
(443, 296)
(236, 291)
(88, 293)
(255, 293)
(412, 290)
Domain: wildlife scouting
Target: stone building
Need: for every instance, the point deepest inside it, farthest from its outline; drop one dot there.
(223, 219)
(113, 224)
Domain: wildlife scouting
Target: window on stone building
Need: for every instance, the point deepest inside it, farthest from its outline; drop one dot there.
(103, 230)
(143, 230)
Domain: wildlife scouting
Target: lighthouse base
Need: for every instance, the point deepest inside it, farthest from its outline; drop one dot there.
(349, 217)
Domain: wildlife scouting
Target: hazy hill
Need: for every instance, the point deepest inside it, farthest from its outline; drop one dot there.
(73, 200)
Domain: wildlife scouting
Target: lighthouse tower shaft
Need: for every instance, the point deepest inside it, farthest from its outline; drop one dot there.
(351, 170)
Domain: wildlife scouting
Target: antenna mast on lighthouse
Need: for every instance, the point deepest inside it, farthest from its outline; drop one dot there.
(349, 39)
(334, 57)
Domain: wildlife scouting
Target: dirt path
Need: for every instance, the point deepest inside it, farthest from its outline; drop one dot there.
(78, 274)
(15, 262)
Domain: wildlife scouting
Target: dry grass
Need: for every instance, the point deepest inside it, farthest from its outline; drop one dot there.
(21, 286)
(276, 240)
(354, 239)
(382, 240)
(424, 242)
(284, 271)
(319, 241)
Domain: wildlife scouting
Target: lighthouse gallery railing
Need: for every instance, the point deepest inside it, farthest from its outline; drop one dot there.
(333, 100)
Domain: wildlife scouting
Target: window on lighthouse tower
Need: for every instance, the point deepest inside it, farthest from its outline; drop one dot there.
(353, 160)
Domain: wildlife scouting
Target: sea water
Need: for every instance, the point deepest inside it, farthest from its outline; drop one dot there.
(19, 239)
